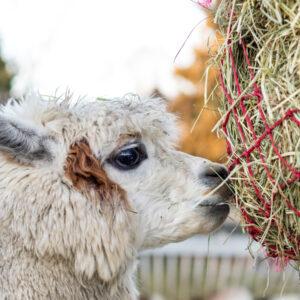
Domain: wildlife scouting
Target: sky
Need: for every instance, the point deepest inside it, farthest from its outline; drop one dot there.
(100, 48)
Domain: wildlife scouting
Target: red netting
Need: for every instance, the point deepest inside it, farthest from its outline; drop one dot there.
(204, 3)
(253, 230)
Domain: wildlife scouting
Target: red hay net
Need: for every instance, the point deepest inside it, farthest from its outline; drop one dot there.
(253, 230)
(252, 227)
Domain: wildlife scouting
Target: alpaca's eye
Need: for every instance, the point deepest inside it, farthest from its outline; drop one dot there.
(129, 158)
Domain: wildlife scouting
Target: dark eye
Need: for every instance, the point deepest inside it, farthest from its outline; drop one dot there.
(129, 158)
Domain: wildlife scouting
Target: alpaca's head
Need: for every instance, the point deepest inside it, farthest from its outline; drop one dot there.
(96, 182)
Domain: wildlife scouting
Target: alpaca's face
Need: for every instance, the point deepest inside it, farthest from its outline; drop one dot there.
(135, 142)
(112, 182)
(167, 189)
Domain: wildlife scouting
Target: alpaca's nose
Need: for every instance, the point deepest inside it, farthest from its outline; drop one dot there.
(216, 171)
(213, 174)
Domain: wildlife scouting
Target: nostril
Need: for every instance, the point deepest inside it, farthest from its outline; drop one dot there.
(216, 171)
(223, 173)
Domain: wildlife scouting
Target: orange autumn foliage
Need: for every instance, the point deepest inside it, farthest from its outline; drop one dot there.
(200, 141)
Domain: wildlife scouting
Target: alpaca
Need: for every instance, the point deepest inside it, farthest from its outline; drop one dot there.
(85, 186)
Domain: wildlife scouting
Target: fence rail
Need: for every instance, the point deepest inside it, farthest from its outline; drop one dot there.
(188, 274)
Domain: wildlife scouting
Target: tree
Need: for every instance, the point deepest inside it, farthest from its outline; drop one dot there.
(6, 79)
(200, 141)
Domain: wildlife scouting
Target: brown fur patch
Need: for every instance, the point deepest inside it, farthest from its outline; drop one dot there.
(86, 173)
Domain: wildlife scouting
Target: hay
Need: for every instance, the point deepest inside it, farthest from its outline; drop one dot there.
(270, 31)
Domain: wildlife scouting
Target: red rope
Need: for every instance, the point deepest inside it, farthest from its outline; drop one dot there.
(289, 114)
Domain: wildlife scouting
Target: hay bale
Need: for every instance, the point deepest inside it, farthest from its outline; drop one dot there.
(261, 117)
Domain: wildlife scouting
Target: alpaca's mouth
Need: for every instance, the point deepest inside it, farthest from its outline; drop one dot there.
(220, 208)
(225, 203)
(215, 200)
(215, 210)
(216, 206)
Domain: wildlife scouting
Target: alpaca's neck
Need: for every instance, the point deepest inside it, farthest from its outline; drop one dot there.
(25, 276)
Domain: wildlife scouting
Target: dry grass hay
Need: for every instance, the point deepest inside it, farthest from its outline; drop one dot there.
(259, 60)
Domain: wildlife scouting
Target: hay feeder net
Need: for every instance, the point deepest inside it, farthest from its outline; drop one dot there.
(259, 62)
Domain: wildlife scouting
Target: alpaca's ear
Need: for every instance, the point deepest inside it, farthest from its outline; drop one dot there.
(22, 140)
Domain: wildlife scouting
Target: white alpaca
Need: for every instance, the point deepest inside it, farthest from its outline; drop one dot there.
(85, 187)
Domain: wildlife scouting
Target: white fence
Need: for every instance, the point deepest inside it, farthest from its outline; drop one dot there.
(187, 271)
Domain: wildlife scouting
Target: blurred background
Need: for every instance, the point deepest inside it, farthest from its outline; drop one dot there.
(106, 49)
